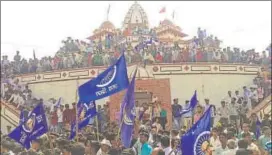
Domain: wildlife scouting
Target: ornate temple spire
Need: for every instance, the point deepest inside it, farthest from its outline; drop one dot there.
(135, 17)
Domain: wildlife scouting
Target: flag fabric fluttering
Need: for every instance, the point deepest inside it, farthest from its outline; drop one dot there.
(109, 82)
(196, 140)
(193, 103)
(85, 113)
(258, 129)
(34, 126)
(163, 10)
(59, 102)
(128, 114)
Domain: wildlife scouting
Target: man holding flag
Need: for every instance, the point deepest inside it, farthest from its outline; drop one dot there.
(196, 140)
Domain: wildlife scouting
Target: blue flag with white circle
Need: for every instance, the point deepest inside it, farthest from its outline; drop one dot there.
(109, 82)
(32, 127)
(196, 140)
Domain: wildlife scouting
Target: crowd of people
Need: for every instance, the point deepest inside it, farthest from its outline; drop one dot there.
(77, 54)
(233, 134)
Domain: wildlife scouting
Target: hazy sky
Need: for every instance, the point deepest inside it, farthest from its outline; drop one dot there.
(42, 25)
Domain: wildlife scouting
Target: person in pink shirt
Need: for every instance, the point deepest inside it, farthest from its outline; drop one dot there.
(198, 114)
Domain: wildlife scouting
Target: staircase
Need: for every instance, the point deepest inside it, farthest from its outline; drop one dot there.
(9, 117)
(262, 108)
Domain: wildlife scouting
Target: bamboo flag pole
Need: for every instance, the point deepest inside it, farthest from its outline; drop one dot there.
(51, 144)
(97, 128)
(76, 100)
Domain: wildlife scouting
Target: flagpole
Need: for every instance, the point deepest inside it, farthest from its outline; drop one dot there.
(97, 128)
(51, 144)
(76, 100)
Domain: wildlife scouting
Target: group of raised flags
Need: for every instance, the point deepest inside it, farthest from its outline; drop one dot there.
(145, 43)
(109, 82)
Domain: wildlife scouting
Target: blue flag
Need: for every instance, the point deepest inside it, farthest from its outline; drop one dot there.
(59, 102)
(141, 115)
(193, 103)
(127, 114)
(198, 136)
(258, 130)
(111, 81)
(85, 113)
(33, 126)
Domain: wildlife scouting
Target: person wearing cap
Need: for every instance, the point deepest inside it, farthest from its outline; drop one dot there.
(146, 149)
(266, 137)
(105, 147)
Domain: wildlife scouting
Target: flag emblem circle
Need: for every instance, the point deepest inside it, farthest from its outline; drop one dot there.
(201, 145)
(28, 125)
(108, 78)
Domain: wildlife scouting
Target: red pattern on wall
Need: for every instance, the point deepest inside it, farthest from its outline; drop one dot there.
(159, 87)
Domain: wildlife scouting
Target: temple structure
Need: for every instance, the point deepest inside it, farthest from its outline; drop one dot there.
(136, 29)
(106, 28)
(168, 33)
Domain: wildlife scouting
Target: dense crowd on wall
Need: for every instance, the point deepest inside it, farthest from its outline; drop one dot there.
(233, 133)
(77, 54)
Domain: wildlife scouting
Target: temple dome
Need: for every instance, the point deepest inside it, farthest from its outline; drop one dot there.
(136, 16)
(107, 25)
(167, 22)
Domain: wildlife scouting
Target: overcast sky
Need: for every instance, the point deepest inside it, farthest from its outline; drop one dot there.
(42, 25)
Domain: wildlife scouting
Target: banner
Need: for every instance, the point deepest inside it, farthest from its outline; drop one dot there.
(111, 81)
(31, 128)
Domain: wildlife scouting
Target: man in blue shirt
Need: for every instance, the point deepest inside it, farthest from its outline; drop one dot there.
(146, 149)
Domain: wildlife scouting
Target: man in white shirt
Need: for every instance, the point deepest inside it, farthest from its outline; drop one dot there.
(223, 112)
(214, 140)
(223, 140)
(233, 112)
(232, 148)
(165, 144)
(17, 99)
(60, 119)
(253, 96)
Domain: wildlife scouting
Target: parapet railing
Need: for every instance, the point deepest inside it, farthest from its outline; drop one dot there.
(10, 113)
(262, 108)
